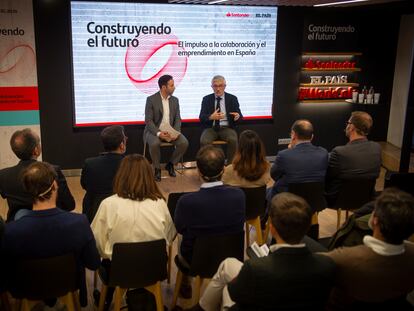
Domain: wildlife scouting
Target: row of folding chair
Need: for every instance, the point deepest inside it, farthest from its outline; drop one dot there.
(146, 264)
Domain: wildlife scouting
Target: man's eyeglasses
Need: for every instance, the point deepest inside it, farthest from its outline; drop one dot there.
(347, 123)
(216, 86)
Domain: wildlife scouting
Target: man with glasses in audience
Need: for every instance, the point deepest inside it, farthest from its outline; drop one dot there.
(98, 172)
(359, 158)
(219, 115)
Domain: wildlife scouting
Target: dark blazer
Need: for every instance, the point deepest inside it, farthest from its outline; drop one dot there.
(360, 158)
(209, 211)
(303, 163)
(97, 179)
(286, 279)
(11, 188)
(154, 112)
(208, 106)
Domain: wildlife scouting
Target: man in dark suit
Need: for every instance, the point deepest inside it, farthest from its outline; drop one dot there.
(26, 146)
(162, 111)
(301, 162)
(289, 278)
(98, 172)
(219, 114)
(359, 158)
(214, 209)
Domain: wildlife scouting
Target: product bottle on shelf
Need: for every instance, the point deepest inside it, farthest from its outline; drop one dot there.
(365, 92)
(371, 93)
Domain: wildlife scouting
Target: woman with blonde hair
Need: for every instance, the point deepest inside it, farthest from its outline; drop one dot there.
(249, 167)
(137, 212)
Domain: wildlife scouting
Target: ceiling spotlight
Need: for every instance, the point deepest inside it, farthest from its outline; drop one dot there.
(341, 2)
(217, 1)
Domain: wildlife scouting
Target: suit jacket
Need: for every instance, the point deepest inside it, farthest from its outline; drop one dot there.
(303, 163)
(208, 106)
(286, 279)
(360, 158)
(154, 112)
(97, 179)
(11, 188)
(210, 211)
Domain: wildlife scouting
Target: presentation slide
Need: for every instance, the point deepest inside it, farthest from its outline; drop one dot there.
(121, 49)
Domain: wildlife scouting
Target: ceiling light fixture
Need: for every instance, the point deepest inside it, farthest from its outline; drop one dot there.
(217, 1)
(341, 2)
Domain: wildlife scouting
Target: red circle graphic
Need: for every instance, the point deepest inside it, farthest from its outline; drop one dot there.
(137, 57)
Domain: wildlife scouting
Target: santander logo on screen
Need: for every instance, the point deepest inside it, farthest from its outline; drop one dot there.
(155, 56)
(232, 14)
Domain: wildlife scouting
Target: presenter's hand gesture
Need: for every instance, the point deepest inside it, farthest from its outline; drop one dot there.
(216, 115)
(236, 115)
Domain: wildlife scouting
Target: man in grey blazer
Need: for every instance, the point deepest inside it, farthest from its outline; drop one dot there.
(359, 158)
(163, 110)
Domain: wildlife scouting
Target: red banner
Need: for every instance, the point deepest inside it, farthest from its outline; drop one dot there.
(19, 98)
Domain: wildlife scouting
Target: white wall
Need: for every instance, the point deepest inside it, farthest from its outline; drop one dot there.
(402, 75)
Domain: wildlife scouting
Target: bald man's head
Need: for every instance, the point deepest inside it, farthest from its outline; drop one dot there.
(24, 142)
(303, 129)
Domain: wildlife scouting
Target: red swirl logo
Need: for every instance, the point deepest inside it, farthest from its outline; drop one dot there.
(17, 62)
(137, 58)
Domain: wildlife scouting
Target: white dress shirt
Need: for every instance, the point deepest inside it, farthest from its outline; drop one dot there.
(224, 121)
(383, 248)
(120, 220)
(165, 111)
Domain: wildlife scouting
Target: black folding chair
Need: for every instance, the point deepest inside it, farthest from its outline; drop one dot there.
(172, 204)
(136, 265)
(47, 278)
(208, 253)
(402, 181)
(353, 194)
(313, 193)
(255, 207)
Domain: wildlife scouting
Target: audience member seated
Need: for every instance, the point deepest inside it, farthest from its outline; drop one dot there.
(302, 162)
(382, 268)
(214, 209)
(359, 158)
(249, 167)
(289, 278)
(98, 172)
(137, 212)
(26, 146)
(49, 231)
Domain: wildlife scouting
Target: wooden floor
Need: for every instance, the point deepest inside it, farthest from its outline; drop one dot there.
(391, 157)
(188, 181)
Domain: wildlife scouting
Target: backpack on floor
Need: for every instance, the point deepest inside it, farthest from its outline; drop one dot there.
(140, 299)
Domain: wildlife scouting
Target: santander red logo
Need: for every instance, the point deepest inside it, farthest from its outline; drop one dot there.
(232, 14)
